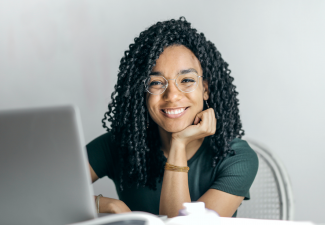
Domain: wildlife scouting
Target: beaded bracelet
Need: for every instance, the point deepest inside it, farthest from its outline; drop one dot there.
(176, 168)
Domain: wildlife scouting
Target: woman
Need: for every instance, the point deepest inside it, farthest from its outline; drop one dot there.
(175, 128)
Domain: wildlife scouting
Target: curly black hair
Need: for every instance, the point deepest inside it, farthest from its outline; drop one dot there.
(141, 159)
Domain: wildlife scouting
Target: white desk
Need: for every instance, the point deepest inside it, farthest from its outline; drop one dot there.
(244, 221)
(154, 220)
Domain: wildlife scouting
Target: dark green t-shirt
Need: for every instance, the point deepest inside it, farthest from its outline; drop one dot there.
(234, 174)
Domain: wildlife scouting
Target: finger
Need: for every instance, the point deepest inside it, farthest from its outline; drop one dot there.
(196, 120)
(200, 114)
(214, 128)
(203, 119)
(213, 121)
(199, 117)
(208, 121)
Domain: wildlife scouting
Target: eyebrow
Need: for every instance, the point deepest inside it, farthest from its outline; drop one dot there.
(190, 70)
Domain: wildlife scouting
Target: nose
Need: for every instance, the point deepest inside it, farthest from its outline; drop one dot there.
(172, 94)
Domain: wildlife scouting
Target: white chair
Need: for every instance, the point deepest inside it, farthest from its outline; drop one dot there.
(271, 192)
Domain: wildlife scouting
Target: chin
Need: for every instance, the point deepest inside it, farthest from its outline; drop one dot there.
(175, 128)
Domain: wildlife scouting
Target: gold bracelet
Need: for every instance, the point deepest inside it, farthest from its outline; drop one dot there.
(176, 168)
(97, 201)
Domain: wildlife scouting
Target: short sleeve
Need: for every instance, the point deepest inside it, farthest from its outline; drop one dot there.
(236, 173)
(100, 156)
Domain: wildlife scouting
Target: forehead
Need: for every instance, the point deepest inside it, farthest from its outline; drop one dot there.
(174, 59)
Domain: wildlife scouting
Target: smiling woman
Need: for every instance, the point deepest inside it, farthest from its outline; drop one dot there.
(175, 128)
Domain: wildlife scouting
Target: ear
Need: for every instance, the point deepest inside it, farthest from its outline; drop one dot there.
(206, 91)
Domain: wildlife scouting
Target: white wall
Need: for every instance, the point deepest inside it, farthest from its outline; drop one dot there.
(57, 52)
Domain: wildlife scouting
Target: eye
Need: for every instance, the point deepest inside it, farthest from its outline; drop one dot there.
(154, 83)
(187, 80)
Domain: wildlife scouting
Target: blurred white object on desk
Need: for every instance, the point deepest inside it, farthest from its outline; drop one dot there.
(194, 213)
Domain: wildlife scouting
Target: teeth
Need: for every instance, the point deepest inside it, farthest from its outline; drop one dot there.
(177, 111)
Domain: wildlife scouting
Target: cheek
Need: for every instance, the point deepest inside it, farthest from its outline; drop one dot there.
(152, 102)
(197, 100)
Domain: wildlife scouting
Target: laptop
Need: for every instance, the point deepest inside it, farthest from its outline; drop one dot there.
(44, 173)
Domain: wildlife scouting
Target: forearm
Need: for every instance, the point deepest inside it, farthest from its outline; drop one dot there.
(174, 191)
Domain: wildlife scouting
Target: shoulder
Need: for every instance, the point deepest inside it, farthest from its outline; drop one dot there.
(245, 158)
(242, 149)
(101, 146)
(104, 140)
(236, 173)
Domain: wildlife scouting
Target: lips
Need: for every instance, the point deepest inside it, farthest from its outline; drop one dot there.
(174, 112)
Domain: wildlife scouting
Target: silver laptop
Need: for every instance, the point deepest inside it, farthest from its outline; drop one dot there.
(43, 168)
(44, 171)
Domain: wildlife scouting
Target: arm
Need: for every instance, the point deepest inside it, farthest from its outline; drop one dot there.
(108, 205)
(223, 203)
(175, 190)
(235, 177)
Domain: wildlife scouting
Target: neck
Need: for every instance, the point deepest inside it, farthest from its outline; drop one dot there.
(166, 138)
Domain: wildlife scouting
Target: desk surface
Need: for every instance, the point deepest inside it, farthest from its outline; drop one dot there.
(106, 217)
(244, 221)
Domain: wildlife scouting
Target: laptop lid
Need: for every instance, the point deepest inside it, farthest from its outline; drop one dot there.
(44, 171)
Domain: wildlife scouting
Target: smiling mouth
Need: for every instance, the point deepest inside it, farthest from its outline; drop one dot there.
(174, 113)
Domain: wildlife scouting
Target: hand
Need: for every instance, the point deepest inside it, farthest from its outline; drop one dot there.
(204, 125)
(116, 206)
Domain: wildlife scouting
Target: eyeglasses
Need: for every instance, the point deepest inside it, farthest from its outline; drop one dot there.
(156, 85)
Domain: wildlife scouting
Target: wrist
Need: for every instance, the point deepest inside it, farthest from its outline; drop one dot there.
(178, 148)
(177, 154)
(177, 143)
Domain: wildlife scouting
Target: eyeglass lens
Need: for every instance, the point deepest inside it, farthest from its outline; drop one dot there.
(185, 83)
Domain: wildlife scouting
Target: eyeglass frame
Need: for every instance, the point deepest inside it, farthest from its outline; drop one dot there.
(168, 83)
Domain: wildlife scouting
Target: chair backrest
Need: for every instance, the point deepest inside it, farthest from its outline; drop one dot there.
(271, 192)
